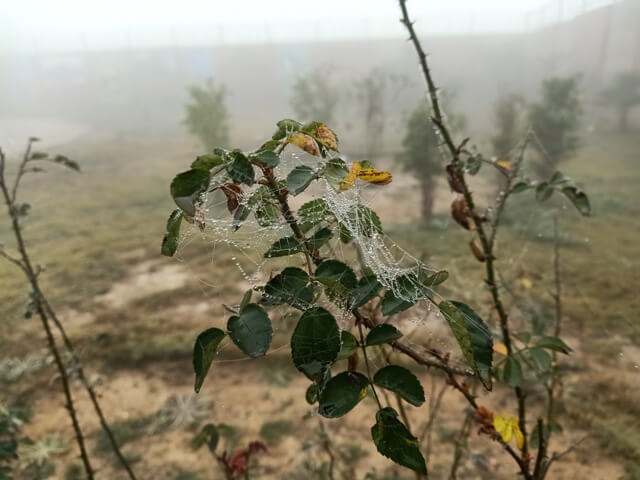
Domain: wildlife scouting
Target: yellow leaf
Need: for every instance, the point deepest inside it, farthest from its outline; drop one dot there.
(527, 283)
(506, 164)
(351, 177)
(519, 437)
(500, 348)
(375, 176)
(503, 427)
(507, 426)
(305, 142)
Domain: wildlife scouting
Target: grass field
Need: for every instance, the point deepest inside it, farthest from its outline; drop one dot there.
(134, 314)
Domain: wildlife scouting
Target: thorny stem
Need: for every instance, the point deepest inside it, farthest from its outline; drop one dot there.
(90, 390)
(487, 245)
(46, 312)
(552, 385)
(31, 275)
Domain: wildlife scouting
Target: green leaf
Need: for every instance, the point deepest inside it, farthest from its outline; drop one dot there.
(246, 298)
(473, 337)
(251, 331)
(204, 351)
(311, 395)
(209, 434)
(268, 158)
(383, 333)
(558, 178)
(283, 247)
(66, 162)
(315, 342)
(541, 358)
(543, 191)
(431, 280)
(240, 169)
(520, 186)
(289, 125)
(267, 215)
(335, 171)
(331, 272)
(186, 188)
(172, 235)
(512, 371)
(367, 220)
(401, 381)
(348, 345)
(270, 145)
(39, 155)
(319, 238)
(239, 216)
(481, 342)
(341, 393)
(207, 162)
(299, 179)
(314, 211)
(554, 343)
(579, 199)
(394, 441)
(290, 287)
(368, 287)
(391, 304)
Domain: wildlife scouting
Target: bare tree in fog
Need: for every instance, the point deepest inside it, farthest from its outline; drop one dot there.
(622, 94)
(314, 96)
(373, 93)
(555, 118)
(207, 114)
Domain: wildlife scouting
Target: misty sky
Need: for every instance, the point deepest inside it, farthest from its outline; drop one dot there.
(46, 24)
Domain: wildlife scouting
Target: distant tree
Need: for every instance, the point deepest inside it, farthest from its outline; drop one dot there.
(508, 112)
(556, 122)
(420, 152)
(373, 94)
(207, 114)
(314, 97)
(623, 94)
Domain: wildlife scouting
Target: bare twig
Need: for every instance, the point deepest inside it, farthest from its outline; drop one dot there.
(47, 314)
(487, 245)
(32, 277)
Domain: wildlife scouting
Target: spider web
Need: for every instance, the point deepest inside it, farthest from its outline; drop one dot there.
(369, 251)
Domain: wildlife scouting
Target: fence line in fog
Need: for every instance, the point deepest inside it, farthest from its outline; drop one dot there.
(470, 22)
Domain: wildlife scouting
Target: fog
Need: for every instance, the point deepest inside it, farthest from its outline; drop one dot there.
(88, 63)
(113, 85)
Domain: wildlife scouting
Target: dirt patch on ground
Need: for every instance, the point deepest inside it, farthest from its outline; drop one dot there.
(145, 279)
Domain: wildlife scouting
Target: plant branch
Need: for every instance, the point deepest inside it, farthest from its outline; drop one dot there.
(32, 277)
(487, 245)
(46, 314)
(90, 390)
